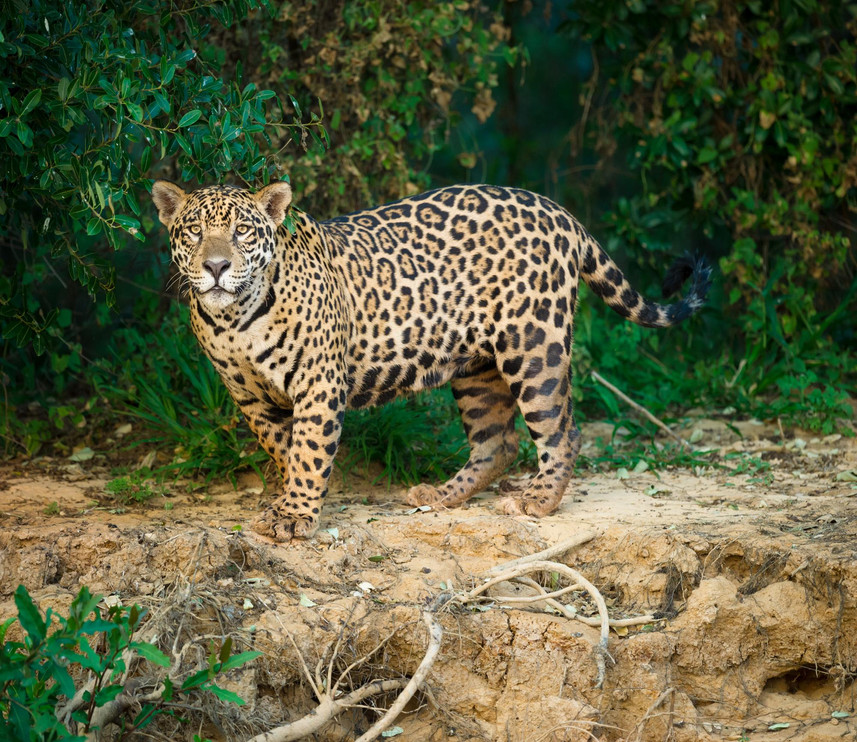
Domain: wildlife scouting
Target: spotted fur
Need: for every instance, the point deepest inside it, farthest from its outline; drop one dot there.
(473, 285)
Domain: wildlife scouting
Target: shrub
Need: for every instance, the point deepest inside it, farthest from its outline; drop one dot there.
(739, 119)
(93, 98)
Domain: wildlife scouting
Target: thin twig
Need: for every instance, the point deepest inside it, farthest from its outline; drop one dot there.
(639, 408)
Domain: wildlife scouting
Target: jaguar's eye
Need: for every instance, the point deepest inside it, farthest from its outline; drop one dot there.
(195, 229)
(242, 229)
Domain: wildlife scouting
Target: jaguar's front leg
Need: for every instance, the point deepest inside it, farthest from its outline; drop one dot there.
(315, 431)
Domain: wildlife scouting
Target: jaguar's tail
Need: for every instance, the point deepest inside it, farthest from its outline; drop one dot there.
(604, 277)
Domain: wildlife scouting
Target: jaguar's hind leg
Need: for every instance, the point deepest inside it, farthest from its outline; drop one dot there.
(487, 410)
(542, 387)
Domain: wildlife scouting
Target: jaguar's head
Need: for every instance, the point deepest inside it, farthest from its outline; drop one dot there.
(222, 238)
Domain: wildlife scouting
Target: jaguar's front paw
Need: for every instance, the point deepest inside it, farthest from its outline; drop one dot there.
(437, 497)
(424, 494)
(283, 525)
(537, 505)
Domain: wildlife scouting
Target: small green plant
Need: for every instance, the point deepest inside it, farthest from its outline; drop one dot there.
(52, 509)
(40, 696)
(806, 402)
(744, 463)
(130, 490)
(641, 457)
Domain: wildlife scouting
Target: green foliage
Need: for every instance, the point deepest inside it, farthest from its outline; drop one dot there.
(730, 123)
(93, 98)
(392, 77)
(413, 440)
(25, 431)
(739, 123)
(43, 672)
(172, 387)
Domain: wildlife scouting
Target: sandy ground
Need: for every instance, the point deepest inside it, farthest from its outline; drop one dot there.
(749, 578)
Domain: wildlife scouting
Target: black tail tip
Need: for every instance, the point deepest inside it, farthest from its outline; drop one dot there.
(685, 267)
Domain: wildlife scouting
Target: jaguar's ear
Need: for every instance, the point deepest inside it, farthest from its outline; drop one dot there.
(274, 200)
(168, 198)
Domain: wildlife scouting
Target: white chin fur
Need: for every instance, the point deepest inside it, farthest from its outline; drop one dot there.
(217, 298)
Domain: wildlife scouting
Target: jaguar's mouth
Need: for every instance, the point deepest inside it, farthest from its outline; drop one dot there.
(217, 297)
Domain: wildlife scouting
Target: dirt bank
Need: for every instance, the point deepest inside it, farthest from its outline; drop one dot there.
(751, 580)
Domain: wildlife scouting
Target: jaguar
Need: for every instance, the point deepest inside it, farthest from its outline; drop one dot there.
(472, 285)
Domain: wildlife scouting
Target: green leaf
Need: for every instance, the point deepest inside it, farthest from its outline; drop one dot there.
(107, 694)
(706, 154)
(127, 222)
(225, 695)
(162, 101)
(29, 616)
(184, 144)
(135, 110)
(146, 160)
(834, 83)
(25, 134)
(236, 660)
(4, 627)
(197, 679)
(191, 117)
(168, 71)
(30, 102)
(151, 653)
(146, 716)
(225, 649)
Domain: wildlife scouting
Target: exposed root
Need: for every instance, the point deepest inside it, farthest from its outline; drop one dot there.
(435, 636)
(329, 707)
(519, 569)
(546, 554)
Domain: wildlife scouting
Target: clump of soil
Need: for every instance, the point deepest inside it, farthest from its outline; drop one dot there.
(751, 580)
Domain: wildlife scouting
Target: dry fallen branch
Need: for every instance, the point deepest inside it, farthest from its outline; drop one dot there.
(639, 408)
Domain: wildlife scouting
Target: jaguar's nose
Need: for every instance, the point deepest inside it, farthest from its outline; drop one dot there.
(216, 268)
